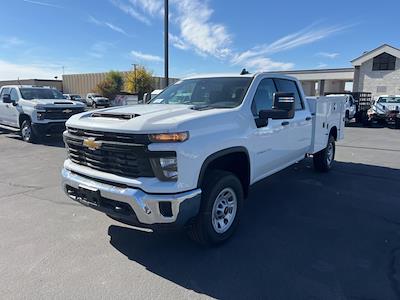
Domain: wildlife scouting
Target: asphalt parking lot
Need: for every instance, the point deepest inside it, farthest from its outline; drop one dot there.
(303, 235)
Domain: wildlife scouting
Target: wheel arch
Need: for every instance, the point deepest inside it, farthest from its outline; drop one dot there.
(22, 118)
(234, 159)
(334, 132)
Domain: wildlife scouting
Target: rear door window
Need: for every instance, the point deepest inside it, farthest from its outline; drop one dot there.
(289, 86)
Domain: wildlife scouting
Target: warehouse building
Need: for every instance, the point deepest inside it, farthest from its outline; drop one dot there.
(82, 84)
(58, 84)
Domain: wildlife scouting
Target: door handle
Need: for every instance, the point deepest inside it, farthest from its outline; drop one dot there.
(285, 123)
(308, 118)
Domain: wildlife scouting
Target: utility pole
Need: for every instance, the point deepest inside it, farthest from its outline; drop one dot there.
(134, 71)
(166, 37)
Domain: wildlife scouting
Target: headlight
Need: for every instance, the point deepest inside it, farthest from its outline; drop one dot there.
(176, 137)
(165, 169)
(40, 115)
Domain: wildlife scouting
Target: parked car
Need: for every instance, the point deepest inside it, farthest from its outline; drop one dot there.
(74, 97)
(95, 100)
(188, 158)
(36, 111)
(385, 109)
(350, 106)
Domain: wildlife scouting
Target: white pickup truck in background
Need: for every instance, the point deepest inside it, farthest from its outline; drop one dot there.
(188, 158)
(35, 111)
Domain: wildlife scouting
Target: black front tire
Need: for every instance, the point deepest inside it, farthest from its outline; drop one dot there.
(27, 132)
(324, 159)
(202, 229)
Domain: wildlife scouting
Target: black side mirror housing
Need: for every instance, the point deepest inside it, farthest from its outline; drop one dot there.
(7, 98)
(283, 107)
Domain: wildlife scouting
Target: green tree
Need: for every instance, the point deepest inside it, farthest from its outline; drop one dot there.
(111, 86)
(139, 81)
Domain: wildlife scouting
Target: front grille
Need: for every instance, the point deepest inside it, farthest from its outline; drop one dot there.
(60, 113)
(120, 154)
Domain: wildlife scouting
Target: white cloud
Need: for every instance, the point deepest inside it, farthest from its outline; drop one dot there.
(177, 42)
(328, 55)
(128, 9)
(109, 25)
(259, 64)
(196, 29)
(115, 28)
(146, 57)
(99, 49)
(10, 42)
(42, 3)
(11, 71)
(321, 66)
(153, 7)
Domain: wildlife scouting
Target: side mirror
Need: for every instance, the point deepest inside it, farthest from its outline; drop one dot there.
(7, 98)
(283, 107)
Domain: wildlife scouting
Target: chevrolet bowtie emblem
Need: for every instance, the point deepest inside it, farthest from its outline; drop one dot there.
(91, 143)
(67, 111)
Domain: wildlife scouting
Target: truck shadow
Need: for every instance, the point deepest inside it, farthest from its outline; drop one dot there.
(303, 235)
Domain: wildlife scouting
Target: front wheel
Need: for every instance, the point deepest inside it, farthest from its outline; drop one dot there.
(220, 209)
(94, 105)
(27, 133)
(323, 160)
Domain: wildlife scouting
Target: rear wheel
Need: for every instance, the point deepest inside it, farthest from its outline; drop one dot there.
(324, 159)
(27, 133)
(222, 201)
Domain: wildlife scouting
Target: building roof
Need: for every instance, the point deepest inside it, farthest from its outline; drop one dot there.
(322, 74)
(385, 48)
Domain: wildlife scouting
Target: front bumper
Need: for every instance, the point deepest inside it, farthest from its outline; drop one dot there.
(133, 206)
(48, 128)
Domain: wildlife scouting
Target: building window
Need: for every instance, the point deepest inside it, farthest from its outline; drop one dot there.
(384, 62)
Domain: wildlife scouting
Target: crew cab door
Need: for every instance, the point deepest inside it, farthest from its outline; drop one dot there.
(3, 106)
(299, 129)
(10, 114)
(269, 140)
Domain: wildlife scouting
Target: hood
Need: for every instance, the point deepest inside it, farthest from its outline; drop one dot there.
(146, 118)
(55, 103)
(99, 98)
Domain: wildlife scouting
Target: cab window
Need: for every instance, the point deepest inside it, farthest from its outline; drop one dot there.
(289, 86)
(263, 97)
(14, 95)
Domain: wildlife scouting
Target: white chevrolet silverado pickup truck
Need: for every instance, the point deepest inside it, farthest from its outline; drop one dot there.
(35, 111)
(188, 158)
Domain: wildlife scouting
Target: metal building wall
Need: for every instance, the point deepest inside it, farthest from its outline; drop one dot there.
(85, 83)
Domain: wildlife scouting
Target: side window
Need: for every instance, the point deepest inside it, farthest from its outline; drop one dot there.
(264, 96)
(289, 86)
(14, 95)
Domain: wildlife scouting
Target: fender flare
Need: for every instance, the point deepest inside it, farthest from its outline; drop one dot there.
(218, 154)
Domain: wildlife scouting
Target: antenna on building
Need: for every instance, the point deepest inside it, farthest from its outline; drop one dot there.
(19, 82)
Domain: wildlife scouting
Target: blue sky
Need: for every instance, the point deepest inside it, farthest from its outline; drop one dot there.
(39, 37)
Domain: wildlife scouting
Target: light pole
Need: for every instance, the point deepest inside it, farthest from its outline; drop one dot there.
(166, 37)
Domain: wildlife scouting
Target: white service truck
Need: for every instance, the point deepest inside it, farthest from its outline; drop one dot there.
(188, 158)
(35, 111)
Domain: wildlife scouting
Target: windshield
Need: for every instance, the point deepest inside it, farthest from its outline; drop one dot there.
(74, 97)
(389, 100)
(40, 93)
(211, 92)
